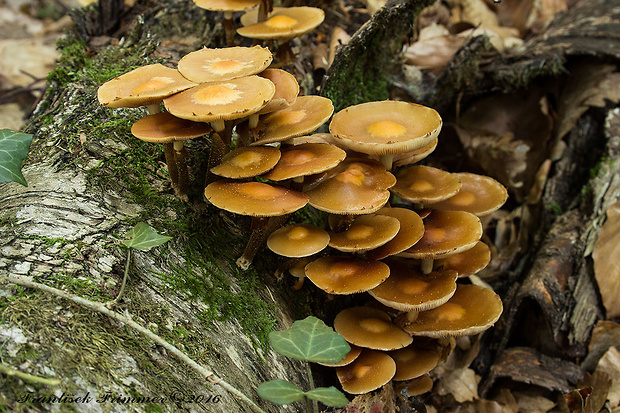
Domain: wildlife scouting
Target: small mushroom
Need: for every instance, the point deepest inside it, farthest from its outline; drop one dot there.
(366, 232)
(348, 359)
(228, 7)
(298, 240)
(370, 328)
(471, 310)
(369, 371)
(247, 162)
(412, 362)
(468, 262)
(424, 185)
(345, 275)
(410, 232)
(219, 65)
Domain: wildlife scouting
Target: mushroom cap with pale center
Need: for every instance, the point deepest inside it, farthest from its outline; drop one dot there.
(355, 187)
(408, 289)
(468, 262)
(305, 159)
(230, 99)
(412, 362)
(145, 85)
(346, 275)
(247, 162)
(411, 231)
(254, 198)
(386, 127)
(165, 128)
(370, 328)
(302, 117)
(298, 240)
(424, 184)
(471, 310)
(369, 371)
(226, 5)
(479, 195)
(282, 23)
(366, 232)
(446, 233)
(218, 65)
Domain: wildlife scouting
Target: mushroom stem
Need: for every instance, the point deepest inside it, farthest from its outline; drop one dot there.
(153, 108)
(180, 154)
(265, 7)
(387, 160)
(218, 150)
(218, 125)
(427, 265)
(229, 28)
(262, 227)
(284, 54)
(173, 171)
(339, 223)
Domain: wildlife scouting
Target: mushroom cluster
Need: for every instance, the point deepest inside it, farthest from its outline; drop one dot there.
(405, 234)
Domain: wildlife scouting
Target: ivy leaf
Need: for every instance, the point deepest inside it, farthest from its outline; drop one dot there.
(280, 392)
(310, 340)
(142, 237)
(14, 147)
(329, 396)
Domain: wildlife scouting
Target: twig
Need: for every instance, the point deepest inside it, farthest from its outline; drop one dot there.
(28, 377)
(206, 373)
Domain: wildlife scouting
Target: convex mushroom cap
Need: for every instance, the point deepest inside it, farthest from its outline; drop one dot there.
(370, 328)
(408, 289)
(410, 232)
(226, 5)
(305, 159)
(217, 65)
(286, 93)
(145, 85)
(247, 162)
(302, 117)
(283, 23)
(165, 128)
(214, 101)
(254, 198)
(468, 262)
(412, 362)
(369, 371)
(346, 275)
(298, 240)
(479, 195)
(471, 310)
(385, 127)
(366, 232)
(425, 185)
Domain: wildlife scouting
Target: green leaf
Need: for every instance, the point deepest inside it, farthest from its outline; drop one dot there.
(14, 147)
(142, 237)
(280, 392)
(311, 340)
(329, 396)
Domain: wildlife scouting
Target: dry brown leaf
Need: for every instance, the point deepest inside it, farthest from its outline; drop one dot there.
(530, 403)
(462, 384)
(610, 364)
(17, 59)
(433, 52)
(604, 335)
(605, 256)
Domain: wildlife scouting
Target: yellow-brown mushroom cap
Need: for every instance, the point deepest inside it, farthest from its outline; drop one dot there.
(471, 310)
(358, 187)
(348, 359)
(408, 289)
(417, 386)
(254, 198)
(286, 93)
(370, 328)
(305, 159)
(165, 128)
(302, 117)
(145, 85)
(446, 233)
(282, 23)
(424, 184)
(412, 362)
(346, 275)
(410, 232)
(386, 127)
(218, 65)
(231, 99)
(369, 371)
(298, 240)
(366, 232)
(468, 262)
(479, 195)
(226, 5)
(408, 158)
(247, 162)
